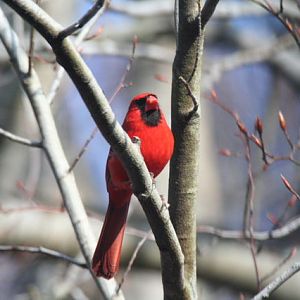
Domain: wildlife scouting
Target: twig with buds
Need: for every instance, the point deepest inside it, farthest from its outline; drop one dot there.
(259, 128)
(289, 187)
(279, 14)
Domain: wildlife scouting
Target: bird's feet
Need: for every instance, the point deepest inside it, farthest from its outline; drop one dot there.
(164, 202)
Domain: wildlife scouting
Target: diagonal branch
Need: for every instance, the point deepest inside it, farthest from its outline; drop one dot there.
(207, 11)
(275, 284)
(79, 38)
(19, 139)
(45, 251)
(83, 20)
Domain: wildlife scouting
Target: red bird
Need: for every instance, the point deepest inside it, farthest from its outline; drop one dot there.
(145, 120)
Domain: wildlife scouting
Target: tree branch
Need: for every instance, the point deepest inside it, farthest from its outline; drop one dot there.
(133, 257)
(83, 33)
(293, 30)
(19, 139)
(45, 251)
(207, 11)
(278, 233)
(83, 20)
(275, 284)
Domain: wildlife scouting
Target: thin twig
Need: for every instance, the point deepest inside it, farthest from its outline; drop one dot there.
(122, 83)
(200, 39)
(20, 140)
(82, 21)
(190, 93)
(275, 284)
(250, 205)
(45, 251)
(281, 7)
(81, 36)
(278, 233)
(289, 141)
(83, 149)
(31, 49)
(31, 45)
(278, 222)
(132, 259)
(120, 86)
(272, 158)
(259, 128)
(215, 99)
(280, 265)
(289, 187)
(278, 14)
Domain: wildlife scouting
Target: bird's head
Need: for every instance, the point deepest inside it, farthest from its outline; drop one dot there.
(148, 105)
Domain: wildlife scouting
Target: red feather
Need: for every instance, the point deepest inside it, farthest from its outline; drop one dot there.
(145, 120)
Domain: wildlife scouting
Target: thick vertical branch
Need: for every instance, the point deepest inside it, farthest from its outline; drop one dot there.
(185, 125)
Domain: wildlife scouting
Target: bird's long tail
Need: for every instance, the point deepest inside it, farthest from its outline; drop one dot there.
(106, 258)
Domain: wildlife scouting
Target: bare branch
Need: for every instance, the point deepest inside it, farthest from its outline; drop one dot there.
(278, 233)
(83, 149)
(279, 265)
(81, 36)
(121, 85)
(83, 20)
(249, 201)
(45, 251)
(207, 11)
(133, 257)
(195, 101)
(19, 139)
(275, 284)
(279, 15)
(289, 187)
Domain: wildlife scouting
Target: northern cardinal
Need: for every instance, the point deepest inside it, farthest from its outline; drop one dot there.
(146, 121)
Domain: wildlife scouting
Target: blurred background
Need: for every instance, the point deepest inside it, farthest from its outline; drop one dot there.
(252, 65)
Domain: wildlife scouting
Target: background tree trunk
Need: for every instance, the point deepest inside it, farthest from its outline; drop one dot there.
(185, 126)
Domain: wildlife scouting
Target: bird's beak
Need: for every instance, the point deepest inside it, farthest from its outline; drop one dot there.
(151, 103)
